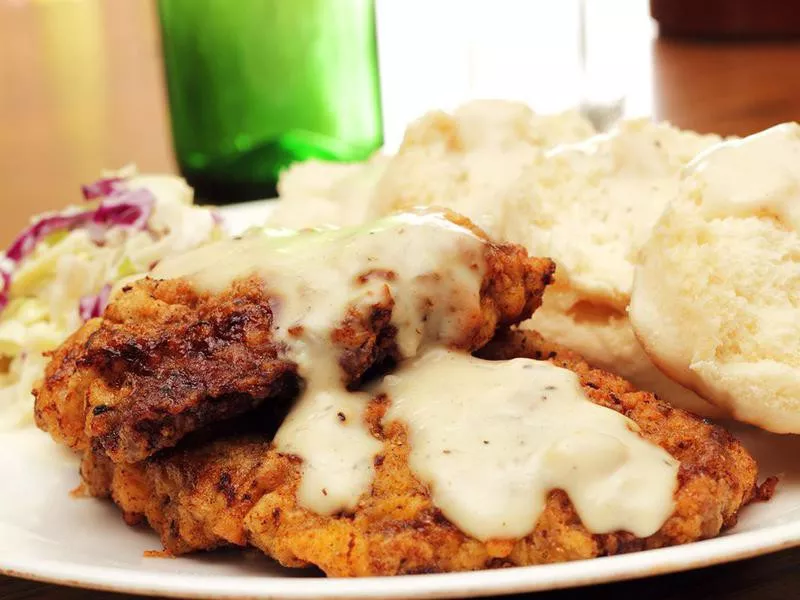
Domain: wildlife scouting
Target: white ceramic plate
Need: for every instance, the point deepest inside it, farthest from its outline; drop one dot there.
(46, 534)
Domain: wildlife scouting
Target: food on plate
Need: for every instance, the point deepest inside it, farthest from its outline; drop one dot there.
(716, 300)
(329, 193)
(194, 497)
(463, 161)
(467, 160)
(606, 339)
(404, 526)
(391, 449)
(590, 207)
(428, 366)
(59, 271)
(238, 490)
(547, 182)
(214, 332)
(593, 203)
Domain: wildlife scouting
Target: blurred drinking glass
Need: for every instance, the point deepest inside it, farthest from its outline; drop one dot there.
(255, 85)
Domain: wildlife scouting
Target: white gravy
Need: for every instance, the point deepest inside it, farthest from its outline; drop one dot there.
(492, 438)
(430, 268)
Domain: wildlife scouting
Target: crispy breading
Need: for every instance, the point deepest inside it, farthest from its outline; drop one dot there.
(396, 529)
(60, 406)
(195, 495)
(196, 499)
(163, 361)
(166, 360)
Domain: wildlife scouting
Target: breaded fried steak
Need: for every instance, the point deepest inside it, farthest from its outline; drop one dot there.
(397, 528)
(217, 331)
(385, 446)
(195, 498)
(240, 490)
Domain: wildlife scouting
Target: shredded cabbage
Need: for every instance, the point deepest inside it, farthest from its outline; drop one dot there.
(93, 305)
(102, 187)
(59, 272)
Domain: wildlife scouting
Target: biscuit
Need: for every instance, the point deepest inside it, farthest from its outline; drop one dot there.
(716, 299)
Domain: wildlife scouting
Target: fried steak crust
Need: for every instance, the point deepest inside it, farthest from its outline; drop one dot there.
(240, 491)
(166, 360)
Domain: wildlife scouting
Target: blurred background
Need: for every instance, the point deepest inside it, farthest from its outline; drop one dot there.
(230, 92)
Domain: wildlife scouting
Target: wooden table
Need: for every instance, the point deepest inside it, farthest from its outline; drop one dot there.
(81, 89)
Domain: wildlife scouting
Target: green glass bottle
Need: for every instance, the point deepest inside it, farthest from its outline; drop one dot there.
(255, 85)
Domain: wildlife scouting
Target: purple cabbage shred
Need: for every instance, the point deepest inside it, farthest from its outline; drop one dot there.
(118, 207)
(102, 188)
(5, 281)
(93, 305)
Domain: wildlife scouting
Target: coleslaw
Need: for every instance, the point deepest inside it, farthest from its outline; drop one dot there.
(59, 272)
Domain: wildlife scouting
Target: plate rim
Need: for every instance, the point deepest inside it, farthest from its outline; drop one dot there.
(648, 563)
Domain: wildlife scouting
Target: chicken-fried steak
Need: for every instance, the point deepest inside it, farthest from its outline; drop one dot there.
(168, 358)
(195, 499)
(237, 491)
(397, 529)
